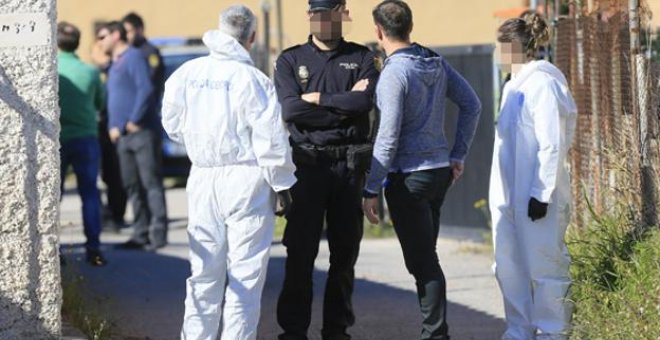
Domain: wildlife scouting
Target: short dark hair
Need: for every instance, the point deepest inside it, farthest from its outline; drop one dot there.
(134, 20)
(116, 26)
(68, 37)
(395, 17)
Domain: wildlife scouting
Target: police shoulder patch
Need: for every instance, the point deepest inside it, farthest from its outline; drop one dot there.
(154, 61)
(378, 63)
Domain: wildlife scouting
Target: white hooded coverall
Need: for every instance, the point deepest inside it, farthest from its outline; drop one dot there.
(534, 133)
(227, 115)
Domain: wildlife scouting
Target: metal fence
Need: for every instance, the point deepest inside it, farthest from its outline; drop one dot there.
(612, 152)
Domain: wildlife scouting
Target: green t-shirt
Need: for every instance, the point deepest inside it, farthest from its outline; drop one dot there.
(81, 97)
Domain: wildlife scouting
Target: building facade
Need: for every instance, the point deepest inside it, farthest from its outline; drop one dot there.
(437, 22)
(654, 5)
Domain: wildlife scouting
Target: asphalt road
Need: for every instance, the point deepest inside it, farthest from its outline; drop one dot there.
(142, 293)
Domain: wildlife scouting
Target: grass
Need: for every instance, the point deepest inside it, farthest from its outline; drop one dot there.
(376, 231)
(371, 231)
(77, 309)
(616, 274)
(486, 246)
(280, 224)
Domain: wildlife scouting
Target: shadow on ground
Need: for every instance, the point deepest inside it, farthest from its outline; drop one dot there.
(143, 293)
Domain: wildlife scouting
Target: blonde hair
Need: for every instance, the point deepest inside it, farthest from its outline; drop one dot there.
(531, 31)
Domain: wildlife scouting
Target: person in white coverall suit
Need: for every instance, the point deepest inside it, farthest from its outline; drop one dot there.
(530, 188)
(227, 115)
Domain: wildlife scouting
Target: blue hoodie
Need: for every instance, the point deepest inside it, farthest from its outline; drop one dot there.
(411, 95)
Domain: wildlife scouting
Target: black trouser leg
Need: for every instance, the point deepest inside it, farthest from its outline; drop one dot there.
(323, 189)
(301, 238)
(111, 175)
(345, 227)
(414, 200)
(432, 297)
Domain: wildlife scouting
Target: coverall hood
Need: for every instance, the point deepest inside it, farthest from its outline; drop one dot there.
(226, 112)
(551, 70)
(226, 47)
(539, 65)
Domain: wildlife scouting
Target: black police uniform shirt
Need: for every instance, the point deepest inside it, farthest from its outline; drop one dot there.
(342, 118)
(153, 57)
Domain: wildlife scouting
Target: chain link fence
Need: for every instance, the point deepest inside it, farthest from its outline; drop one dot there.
(593, 50)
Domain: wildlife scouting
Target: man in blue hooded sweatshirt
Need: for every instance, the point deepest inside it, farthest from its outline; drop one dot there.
(412, 152)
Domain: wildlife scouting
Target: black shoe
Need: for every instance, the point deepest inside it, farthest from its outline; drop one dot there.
(336, 336)
(289, 336)
(131, 245)
(95, 258)
(114, 226)
(111, 227)
(119, 223)
(154, 247)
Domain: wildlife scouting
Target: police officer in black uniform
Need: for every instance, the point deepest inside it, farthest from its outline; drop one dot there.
(134, 26)
(326, 90)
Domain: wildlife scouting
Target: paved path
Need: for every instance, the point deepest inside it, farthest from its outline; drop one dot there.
(142, 293)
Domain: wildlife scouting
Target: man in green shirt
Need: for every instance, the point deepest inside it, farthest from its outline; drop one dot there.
(81, 97)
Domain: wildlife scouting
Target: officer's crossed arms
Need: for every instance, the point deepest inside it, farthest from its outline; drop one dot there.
(315, 97)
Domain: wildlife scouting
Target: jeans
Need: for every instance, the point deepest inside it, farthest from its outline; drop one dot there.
(414, 200)
(83, 154)
(326, 191)
(139, 163)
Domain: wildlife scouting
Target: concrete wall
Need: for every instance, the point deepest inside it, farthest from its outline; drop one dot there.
(30, 294)
(437, 23)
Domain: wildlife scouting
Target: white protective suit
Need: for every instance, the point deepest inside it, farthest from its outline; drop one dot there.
(226, 113)
(534, 133)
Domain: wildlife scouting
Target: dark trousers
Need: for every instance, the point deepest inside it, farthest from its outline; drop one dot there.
(83, 154)
(111, 175)
(324, 190)
(414, 200)
(139, 162)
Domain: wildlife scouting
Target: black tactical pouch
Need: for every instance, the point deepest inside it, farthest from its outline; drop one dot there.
(303, 156)
(358, 157)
